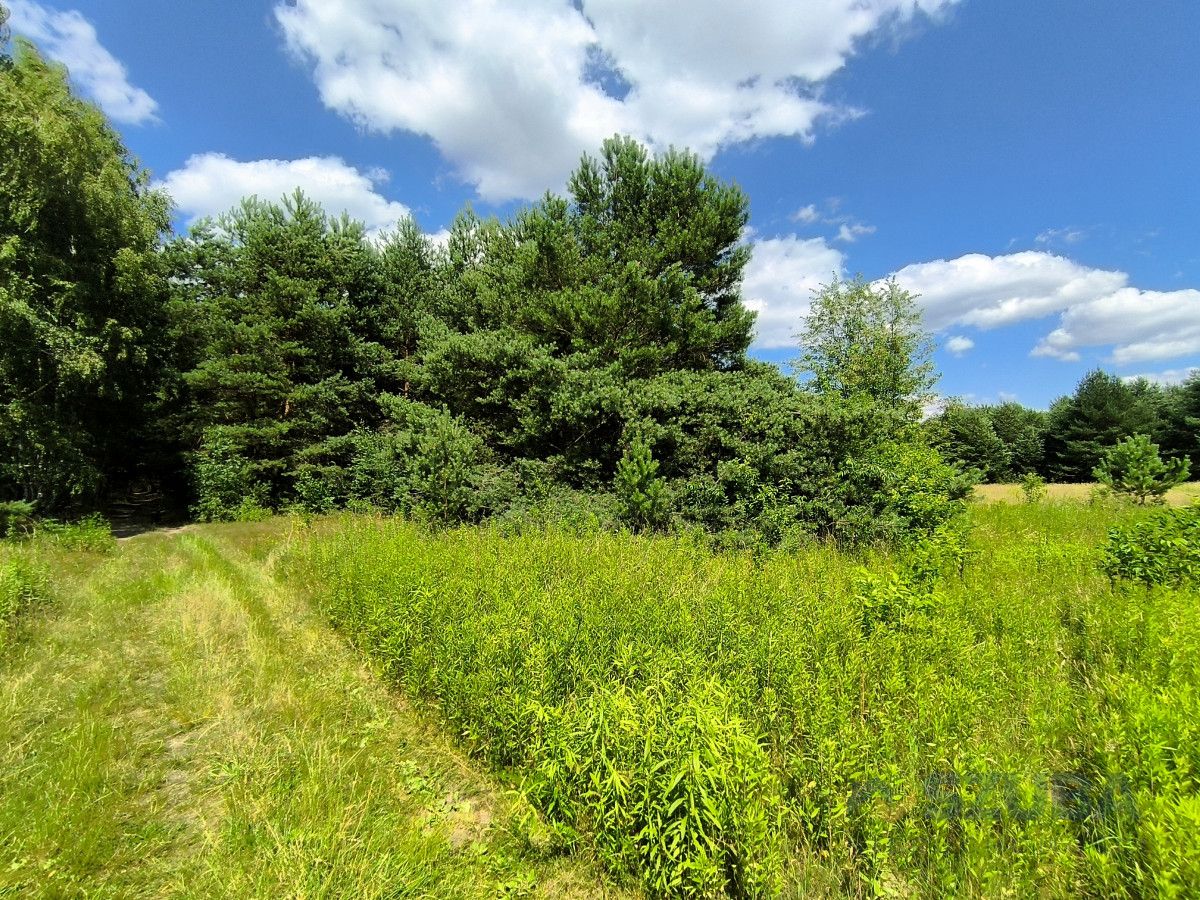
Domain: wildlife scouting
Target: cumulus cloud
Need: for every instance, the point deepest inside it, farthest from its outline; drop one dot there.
(959, 344)
(211, 183)
(70, 39)
(990, 291)
(513, 92)
(1139, 325)
(1097, 307)
(780, 280)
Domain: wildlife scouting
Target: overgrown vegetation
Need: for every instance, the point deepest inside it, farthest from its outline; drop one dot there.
(23, 584)
(981, 714)
(1163, 549)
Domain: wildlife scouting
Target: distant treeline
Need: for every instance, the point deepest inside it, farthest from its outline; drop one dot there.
(586, 357)
(1006, 441)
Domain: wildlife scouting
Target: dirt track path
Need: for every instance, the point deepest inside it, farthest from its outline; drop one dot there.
(180, 723)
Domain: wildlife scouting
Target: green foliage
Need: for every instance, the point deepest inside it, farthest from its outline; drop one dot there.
(1023, 433)
(91, 534)
(913, 492)
(82, 313)
(965, 436)
(866, 340)
(1033, 487)
(1103, 411)
(1161, 549)
(1134, 468)
(975, 715)
(639, 488)
(424, 462)
(268, 301)
(228, 486)
(16, 516)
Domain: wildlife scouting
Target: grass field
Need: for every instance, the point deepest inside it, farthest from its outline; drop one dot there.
(983, 717)
(177, 722)
(1078, 493)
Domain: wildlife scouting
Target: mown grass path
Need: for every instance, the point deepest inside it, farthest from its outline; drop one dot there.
(179, 723)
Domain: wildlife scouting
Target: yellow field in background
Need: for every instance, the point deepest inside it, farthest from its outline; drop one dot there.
(1011, 493)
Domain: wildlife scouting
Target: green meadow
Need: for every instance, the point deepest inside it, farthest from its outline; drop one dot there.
(360, 706)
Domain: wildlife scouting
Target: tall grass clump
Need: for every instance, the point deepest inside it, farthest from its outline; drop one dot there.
(980, 714)
(23, 584)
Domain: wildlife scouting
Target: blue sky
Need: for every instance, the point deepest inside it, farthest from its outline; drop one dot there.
(1028, 167)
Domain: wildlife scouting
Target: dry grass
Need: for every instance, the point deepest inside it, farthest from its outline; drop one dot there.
(1011, 493)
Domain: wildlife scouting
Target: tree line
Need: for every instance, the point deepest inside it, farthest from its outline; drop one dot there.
(1003, 442)
(585, 358)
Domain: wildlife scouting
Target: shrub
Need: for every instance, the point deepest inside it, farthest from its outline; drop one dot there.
(226, 482)
(90, 534)
(1134, 468)
(15, 516)
(640, 490)
(427, 463)
(1033, 487)
(1163, 549)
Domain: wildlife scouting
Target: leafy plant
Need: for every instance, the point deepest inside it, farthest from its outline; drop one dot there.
(640, 490)
(226, 481)
(90, 534)
(1163, 549)
(1133, 467)
(15, 516)
(1033, 487)
(22, 585)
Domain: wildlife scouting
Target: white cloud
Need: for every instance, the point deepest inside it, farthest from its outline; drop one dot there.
(1140, 326)
(513, 92)
(852, 231)
(71, 39)
(1098, 307)
(959, 344)
(1168, 377)
(780, 280)
(990, 291)
(806, 214)
(211, 183)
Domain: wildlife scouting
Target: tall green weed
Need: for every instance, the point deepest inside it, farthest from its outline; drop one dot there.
(977, 714)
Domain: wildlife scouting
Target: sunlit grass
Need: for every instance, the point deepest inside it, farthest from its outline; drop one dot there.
(180, 724)
(1181, 495)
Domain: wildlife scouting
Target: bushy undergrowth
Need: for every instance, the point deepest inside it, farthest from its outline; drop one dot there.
(980, 715)
(1163, 548)
(91, 534)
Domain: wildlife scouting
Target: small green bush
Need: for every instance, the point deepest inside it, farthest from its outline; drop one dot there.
(1033, 487)
(90, 534)
(1134, 468)
(226, 482)
(1162, 549)
(425, 463)
(15, 516)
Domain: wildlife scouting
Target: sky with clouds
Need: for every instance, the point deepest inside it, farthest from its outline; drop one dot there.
(1027, 168)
